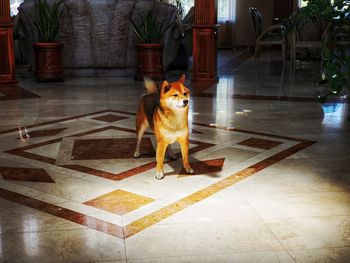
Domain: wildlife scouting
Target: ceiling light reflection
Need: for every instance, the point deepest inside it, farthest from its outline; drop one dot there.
(31, 239)
(224, 101)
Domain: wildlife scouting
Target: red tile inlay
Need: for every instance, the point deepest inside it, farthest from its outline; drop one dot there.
(111, 176)
(44, 133)
(25, 174)
(201, 146)
(22, 152)
(133, 171)
(165, 212)
(13, 92)
(54, 121)
(122, 148)
(205, 167)
(260, 143)
(105, 129)
(157, 216)
(109, 118)
(64, 213)
(280, 156)
(133, 114)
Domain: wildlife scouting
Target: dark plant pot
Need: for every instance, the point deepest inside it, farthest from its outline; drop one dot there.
(150, 61)
(48, 61)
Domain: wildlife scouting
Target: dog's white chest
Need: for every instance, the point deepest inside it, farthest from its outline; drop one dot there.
(171, 137)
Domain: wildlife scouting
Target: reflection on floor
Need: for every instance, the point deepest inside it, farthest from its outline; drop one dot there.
(271, 183)
(13, 92)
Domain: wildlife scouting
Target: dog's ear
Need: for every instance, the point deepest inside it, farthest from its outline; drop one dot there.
(165, 86)
(182, 79)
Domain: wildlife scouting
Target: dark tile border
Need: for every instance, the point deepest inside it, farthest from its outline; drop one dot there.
(14, 92)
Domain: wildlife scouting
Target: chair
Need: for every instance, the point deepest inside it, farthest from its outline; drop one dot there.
(304, 34)
(273, 35)
(341, 35)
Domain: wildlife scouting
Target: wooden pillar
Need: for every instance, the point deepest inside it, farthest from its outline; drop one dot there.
(205, 30)
(7, 60)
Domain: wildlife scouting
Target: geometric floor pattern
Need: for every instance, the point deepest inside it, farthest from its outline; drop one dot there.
(25, 174)
(41, 133)
(210, 167)
(14, 92)
(260, 143)
(109, 118)
(121, 148)
(119, 202)
(96, 149)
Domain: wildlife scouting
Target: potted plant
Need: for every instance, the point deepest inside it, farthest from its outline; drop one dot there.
(335, 20)
(150, 32)
(48, 52)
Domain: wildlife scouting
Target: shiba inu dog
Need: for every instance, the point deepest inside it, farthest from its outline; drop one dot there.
(165, 111)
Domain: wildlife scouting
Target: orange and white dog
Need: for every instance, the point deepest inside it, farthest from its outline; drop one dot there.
(165, 111)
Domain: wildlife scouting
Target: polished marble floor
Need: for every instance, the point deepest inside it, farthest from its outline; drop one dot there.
(271, 182)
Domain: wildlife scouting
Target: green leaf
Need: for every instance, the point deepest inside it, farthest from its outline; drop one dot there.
(148, 30)
(47, 19)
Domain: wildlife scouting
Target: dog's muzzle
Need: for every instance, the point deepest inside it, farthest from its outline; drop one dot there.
(185, 102)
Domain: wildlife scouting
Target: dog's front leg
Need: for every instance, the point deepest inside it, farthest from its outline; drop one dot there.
(184, 152)
(161, 148)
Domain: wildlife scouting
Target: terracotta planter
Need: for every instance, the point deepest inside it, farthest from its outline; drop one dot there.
(48, 61)
(150, 61)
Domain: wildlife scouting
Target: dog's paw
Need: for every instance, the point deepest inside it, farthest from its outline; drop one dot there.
(189, 170)
(136, 154)
(159, 176)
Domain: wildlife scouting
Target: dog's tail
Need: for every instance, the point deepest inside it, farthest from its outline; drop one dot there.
(150, 85)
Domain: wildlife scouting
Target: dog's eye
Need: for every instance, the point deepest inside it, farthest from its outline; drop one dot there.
(175, 95)
(185, 94)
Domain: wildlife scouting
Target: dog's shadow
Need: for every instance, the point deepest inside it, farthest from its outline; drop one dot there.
(209, 168)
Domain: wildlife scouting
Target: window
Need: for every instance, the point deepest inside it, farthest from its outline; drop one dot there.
(187, 4)
(14, 4)
(226, 8)
(302, 3)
